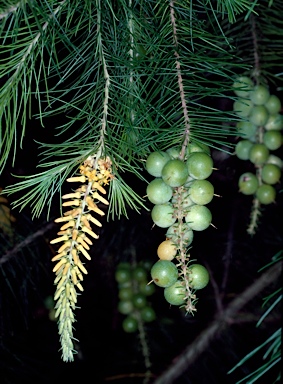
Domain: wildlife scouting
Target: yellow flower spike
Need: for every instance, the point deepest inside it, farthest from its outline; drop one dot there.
(62, 314)
(86, 239)
(58, 302)
(75, 233)
(97, 210)
(73, 294)
(93, 220)
(91, 233)
(74, 195)
(77, 179)
(57, 278)
(58, 293)
(59, 264)
(72, 202)
(68, 290)
(62, 281)
(64, 246)
(71, 312)
(64, 301)
(59, 271)
(97, 196)
(69, 325)
(66, 232)
(92, 206)
(85, 222)
(62, 219)
(96, 185)
(67, 311)
(80, 287)
(82, 268)
(58, 311)
(73, 212)
(59, 239)
(75, 256)
(57, 257)
(82, 189)
(66, 269)
(71, 223)
(84, 252)
(90, 202)
(60, 328)
(100, 176)
(74, 276)
(78, 273)
(83, 243)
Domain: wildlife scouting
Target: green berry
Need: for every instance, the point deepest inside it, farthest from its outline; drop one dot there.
(246, 129)
(147, 289)
(186, 234)
(243, 107)
(175, 173)
(122, 275)
(259, 115)
(125, 293)
(125, 307)
(130, 324)
(200, 165)
(197, 147)
(162, 215)
(201, 192)
(274, 122)
(248, 183)
(158, 192)
(198, 276)
(266, 194)
(148, 314)
(270, 174)
(272, 139)
(198, 217)
(258, 154)
(273, 104)
(173, 152)
(242, 86)
(164, 273)
(175, 294)
(155, 162)
(139, 300)
(139, 273)
(259, 95)
(242, 149)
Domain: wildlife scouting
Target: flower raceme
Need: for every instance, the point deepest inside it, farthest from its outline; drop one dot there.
(76, 236)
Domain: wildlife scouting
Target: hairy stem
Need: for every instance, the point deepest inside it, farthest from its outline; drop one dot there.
(180, 82)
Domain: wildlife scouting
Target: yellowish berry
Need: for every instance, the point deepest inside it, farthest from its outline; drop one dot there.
(166, 250)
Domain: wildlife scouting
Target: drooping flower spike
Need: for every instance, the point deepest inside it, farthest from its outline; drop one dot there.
(74, 235)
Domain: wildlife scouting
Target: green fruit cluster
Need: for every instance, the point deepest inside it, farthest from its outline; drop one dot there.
(180, 192)
(179, 184)
(133, 292)
(165, 274)
(260, 133)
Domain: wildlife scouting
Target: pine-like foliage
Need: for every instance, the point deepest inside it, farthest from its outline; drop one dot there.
(122, 78)
(108, 70)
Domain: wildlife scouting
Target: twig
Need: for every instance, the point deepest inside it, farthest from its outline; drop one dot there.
(180, 83)
(194, 350)
(12, 252)
(256, 73)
